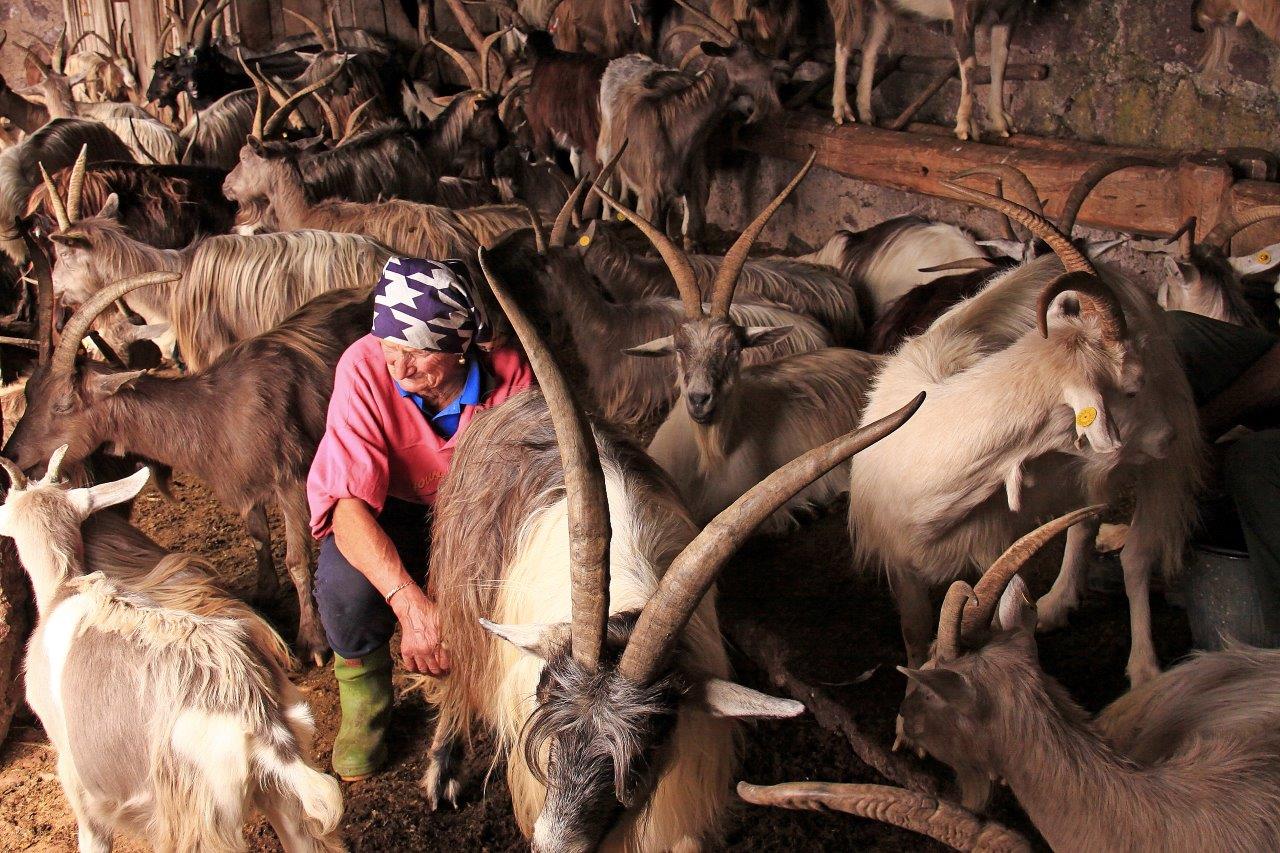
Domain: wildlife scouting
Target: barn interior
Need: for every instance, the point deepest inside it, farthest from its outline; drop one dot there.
(1145, 132)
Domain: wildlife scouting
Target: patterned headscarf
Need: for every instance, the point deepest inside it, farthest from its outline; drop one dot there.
(428, 305)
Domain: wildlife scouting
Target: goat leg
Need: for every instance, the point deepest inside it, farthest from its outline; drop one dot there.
(311, 643)
(267, 585)
(440, 782)
(911, 593)
(880, 25)
(1000, 121)
(92, 835)
(963, 44)
(1140, 555)
(1057, 604)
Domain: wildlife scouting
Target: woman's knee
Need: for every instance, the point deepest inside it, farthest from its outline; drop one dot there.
(354, 615)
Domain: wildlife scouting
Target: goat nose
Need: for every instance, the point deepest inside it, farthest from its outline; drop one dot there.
(699, 398)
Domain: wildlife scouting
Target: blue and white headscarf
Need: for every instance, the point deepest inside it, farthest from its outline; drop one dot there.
(428, 305)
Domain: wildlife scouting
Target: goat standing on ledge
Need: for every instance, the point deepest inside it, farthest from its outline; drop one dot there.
(166, 700)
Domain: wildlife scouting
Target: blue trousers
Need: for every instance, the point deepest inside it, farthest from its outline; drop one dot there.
(355, 617)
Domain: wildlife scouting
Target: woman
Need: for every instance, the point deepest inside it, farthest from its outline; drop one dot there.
(401, 397)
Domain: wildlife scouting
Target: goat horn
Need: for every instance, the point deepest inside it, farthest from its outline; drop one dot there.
(589, 526)
(991, 585)
(694, 570)
(709, 22)
(736, 257)
(1096, 299)
(54, 467)
(929, 816)
(281, 114)
(17, 479)
(260, 87)
(1073, 260)
(330, 118)
(55, 200)
(75, 45)
(560, 228)
(64, 357)
(1089, 180)
(40, 63)
(75, 186)
(25, 343)
(467, 69)
(953, 607)
(315, 28)
(975, 263)
(164, 33)
(539, 232)
(189, 25)
(1013, 178)
(58, 55)
(1185, 237)
(1224, 231)
(485, 47)
(674, 257)
(333, 24)
(353, 118)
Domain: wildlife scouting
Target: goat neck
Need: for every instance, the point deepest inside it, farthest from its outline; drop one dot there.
(290, 207)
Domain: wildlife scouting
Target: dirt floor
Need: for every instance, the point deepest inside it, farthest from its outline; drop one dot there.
(841, 627)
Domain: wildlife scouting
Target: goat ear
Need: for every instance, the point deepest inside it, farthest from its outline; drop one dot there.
(110, 207)
(90, 500)
(762, 336)
(1260, 261)
(539, 640)
(1096, 249)
(946, 684)
(106, 384)
(1016, 612)
(655, 348)
(712, 48)
(1015, 249)
(721, 698)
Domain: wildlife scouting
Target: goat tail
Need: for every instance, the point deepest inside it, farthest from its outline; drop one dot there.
(304, 803)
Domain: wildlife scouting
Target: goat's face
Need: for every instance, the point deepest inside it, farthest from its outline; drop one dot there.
(171, 75)
(46, 511)
(595, 740)
(708, 355)
(78, 270)
(752, 76)
(253, 176)
(1196, 284)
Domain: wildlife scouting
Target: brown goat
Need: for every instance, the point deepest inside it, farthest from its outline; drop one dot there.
(250, 422)
(562, 106)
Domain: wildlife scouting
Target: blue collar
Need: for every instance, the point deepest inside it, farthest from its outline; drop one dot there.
(468, 396)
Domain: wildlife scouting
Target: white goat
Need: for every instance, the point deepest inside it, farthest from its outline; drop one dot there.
(166, 701)
(1018, 422)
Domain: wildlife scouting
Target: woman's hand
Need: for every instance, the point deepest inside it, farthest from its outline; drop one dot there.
(420, 644)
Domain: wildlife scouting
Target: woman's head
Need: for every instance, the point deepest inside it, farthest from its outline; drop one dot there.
(427, 321)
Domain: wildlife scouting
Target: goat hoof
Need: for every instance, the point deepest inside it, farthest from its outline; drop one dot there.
(440, 791)
(312, 649)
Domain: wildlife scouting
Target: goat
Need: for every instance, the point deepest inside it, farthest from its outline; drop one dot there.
(109, 72)
(418, 230)
(197, 68)
(1201, 277)
(586, 702)
(1022, 420)
(625, 391)
(1187, 761)
(814, 290)
(562, 106)
(254, 417)
(57, 144)
(214, 135)
(53, 90)
(965, 16)
(1215, 16)
(768, 25)
(738, 425)
(607, 28)
(163, 206)
(233, 287)
(363, 80)
(134, 742)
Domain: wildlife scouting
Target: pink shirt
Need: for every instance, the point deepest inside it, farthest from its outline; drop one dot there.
(377, 443)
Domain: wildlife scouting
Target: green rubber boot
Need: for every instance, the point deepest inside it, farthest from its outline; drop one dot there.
(364, 691)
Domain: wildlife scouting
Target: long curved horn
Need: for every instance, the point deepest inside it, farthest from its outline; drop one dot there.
(1014, 179)
(674, 257)
(711, 24)
(560, 228)
(354, 117)
(1073, 260)
(281, 114)
(1222, 233)
(58, 55)
(734, 259)
(589, 527)
(260, 87)
(315, 28)
(40, 63)
(75, 186)
(332, 9)
(993, 581)
(17, 479)
(165, 32)
(539, 232)
(921, 813)
(473, 79)
(694, 570)
(1096, 299)
(961, 265)
(189, 25)
(330, 118)
(485, 48)
(55, 200)
(64, 357)
(1093, 176)
(958, 595)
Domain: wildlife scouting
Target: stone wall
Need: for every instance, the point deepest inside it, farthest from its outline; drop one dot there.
(18, 17)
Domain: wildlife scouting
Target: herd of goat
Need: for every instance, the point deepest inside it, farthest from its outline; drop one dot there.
(216, 274)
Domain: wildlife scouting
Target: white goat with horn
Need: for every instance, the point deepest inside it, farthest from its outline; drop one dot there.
(1020, 421)
(737, 424)
(166, 700)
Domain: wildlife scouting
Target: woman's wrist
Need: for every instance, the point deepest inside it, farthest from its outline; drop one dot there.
(409, 599)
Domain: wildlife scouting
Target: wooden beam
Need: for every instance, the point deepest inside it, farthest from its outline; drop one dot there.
(1152, 201)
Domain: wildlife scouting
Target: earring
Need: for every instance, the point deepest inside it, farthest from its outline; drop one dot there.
(462, 359)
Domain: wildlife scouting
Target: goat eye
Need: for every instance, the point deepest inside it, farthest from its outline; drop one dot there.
(62, 405)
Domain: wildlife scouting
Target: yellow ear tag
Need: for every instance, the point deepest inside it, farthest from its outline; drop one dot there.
(584, 241)
(1264, 257)
(622, 217)
(1086, 416)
